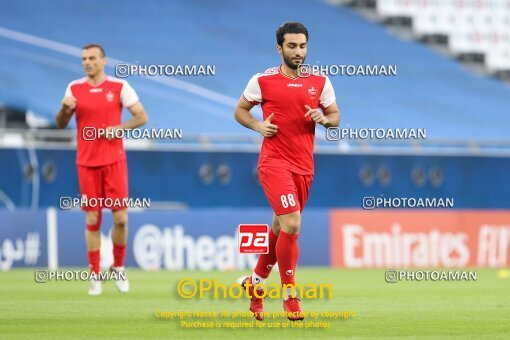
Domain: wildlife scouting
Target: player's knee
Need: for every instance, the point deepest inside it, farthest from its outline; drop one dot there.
(291, 223)
(292, 229)
(120, 221)
(92, 220)
(294, 219)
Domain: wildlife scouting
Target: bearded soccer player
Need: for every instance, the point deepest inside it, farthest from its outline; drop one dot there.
(292, 105)
(97, 100)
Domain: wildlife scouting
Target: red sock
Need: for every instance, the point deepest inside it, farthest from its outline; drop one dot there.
(287, 253)
(94, 261)
(267, 261)
(119, 253)
(97, 226)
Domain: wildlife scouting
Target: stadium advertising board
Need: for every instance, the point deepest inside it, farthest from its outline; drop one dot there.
(401, 239)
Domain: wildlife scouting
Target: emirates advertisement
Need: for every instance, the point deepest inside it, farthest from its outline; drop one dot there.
(403, 239)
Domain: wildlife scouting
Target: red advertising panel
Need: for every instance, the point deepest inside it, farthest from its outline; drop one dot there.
(424, 238)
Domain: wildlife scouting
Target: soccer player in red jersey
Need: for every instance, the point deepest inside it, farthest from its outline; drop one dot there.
(97, 100)
(291, 106)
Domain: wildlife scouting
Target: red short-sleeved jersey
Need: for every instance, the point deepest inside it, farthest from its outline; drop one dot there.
(286, 97)
(99, 107)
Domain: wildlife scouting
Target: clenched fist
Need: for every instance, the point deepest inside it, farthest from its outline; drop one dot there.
(69, 103)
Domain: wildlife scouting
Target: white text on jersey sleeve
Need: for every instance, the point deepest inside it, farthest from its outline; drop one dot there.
(252, 94)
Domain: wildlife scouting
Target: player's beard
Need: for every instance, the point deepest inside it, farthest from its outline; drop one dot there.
(290, 63)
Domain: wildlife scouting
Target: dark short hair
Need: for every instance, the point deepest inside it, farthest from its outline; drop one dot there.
(290, 27)
(86, 47)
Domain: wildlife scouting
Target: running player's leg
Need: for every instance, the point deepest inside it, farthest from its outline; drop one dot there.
(261, 272)
(267, 261)
(93, 237)
(281, 192)
(287, 253)
(90, 187)
(119, 236)
(116, 188)
(287, 249)
(274, 181)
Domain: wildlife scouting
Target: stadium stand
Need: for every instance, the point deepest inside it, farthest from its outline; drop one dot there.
(38, 57)
(470, 26)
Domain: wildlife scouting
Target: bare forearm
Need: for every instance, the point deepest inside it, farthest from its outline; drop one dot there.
(246, 119)
(63, 117)
(333, 120)
(134, 122)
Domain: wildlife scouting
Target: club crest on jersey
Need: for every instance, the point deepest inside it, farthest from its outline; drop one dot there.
(110, 96)
(312, 92)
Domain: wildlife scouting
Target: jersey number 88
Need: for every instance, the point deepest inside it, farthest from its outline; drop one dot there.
(288, 200)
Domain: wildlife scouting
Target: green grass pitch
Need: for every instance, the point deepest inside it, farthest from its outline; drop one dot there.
(57, 310)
